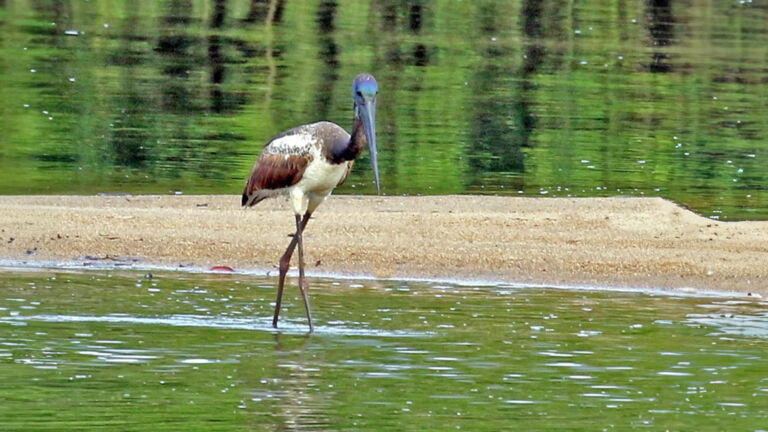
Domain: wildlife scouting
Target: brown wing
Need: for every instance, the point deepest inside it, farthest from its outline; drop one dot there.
(272, 172)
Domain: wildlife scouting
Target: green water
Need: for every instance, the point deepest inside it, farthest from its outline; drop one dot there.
(117, 351)
(535, 98)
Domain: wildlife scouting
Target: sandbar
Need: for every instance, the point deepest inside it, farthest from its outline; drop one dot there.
(586, 242)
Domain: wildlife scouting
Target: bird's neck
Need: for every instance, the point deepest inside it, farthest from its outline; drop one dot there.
(350, 150)
(358, 140)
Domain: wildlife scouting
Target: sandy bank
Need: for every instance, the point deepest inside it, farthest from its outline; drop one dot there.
(626, 242)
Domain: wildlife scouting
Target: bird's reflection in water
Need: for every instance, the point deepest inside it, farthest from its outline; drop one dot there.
(287, 391)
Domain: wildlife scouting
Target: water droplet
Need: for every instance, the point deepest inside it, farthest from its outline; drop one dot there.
(71, 32)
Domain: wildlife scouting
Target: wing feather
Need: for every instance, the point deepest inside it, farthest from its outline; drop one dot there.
(286, 156)
(272, 172)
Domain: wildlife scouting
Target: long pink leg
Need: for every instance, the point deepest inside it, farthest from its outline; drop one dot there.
(285, 262)
(302, 280)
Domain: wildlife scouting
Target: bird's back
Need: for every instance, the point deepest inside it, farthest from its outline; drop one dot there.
(284, 160)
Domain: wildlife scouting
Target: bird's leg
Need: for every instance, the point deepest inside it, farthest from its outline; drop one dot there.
(302, 281)
(285, 262)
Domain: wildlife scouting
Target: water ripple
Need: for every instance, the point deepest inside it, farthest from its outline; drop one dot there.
(733, 324)
(218, 322)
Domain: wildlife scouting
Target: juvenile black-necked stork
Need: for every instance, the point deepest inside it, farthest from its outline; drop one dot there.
(307, 163)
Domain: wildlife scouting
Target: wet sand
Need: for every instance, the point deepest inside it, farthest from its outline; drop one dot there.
(602, 242)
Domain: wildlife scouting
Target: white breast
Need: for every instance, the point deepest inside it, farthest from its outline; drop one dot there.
(321, 176)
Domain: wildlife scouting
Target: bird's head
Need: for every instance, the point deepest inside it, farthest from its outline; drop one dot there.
(364, 92)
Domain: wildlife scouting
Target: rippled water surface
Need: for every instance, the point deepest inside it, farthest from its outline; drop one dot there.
(111, 350)
(534, 98)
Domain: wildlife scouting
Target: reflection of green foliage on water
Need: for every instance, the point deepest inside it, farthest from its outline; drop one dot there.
(481, 97)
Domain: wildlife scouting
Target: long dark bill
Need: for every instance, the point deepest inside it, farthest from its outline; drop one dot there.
(368, 114)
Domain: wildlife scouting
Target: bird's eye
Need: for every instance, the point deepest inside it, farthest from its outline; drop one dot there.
(359, 93)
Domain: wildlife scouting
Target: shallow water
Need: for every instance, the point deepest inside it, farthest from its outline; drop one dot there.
(535, 98)
(118, 350)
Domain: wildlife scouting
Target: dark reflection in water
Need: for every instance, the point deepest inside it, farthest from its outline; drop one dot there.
(503, 121)
(329, 54)
(661, 27)
(524, 98)
(404, 18)
(215, 57)
(261, 10)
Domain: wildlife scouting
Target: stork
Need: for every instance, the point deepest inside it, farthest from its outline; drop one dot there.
(307, 163)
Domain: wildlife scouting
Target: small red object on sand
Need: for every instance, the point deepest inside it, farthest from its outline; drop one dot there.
(222, 268)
